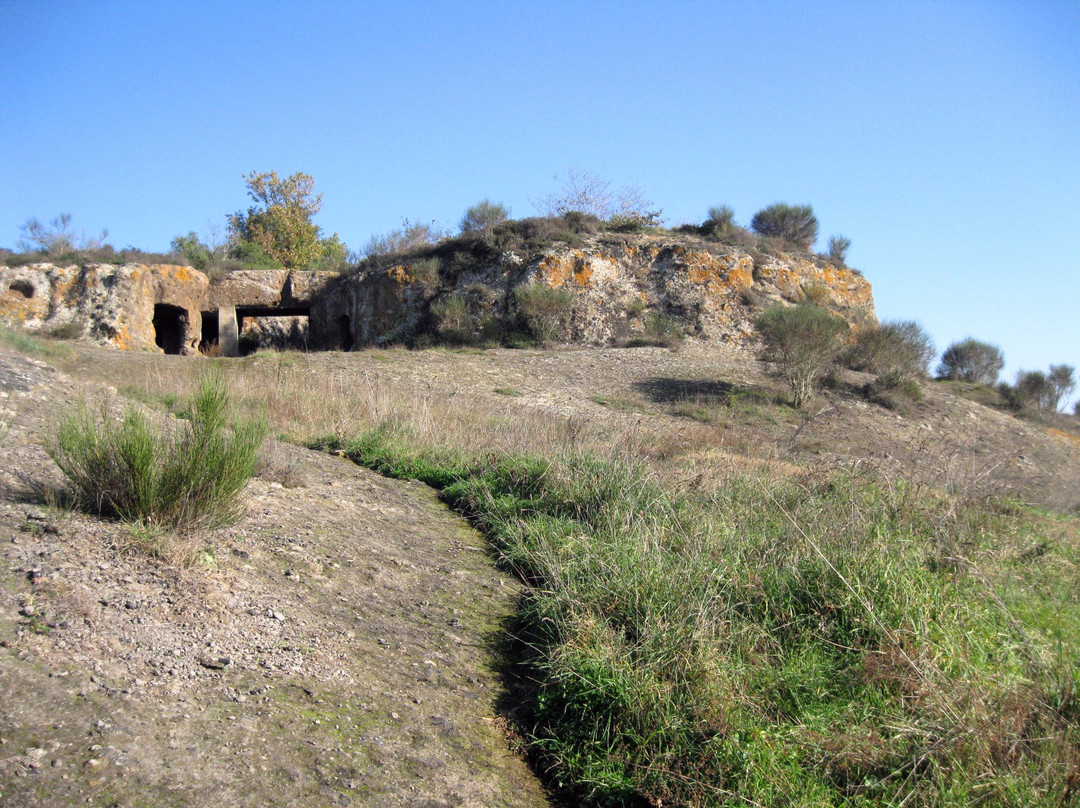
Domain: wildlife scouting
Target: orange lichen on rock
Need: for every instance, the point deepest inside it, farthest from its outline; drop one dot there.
(399, 274)
(559, 270)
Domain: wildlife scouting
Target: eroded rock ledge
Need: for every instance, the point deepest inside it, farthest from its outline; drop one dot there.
(708, 291)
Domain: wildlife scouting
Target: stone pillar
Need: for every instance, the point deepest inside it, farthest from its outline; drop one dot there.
(228, 333)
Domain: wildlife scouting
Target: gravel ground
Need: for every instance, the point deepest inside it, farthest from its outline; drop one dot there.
(332, 648)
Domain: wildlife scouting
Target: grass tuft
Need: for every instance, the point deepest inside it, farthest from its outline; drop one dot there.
(132, 470)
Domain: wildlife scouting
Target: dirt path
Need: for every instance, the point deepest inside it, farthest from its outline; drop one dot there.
(330, 649)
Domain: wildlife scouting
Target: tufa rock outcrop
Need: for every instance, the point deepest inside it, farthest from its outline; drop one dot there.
(708, 291)
(619, 284)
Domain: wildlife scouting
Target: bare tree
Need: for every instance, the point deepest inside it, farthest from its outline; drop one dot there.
(587, 193)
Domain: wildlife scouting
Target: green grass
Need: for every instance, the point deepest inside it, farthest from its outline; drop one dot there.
(31, 345)
(149, 475)
(774, 641)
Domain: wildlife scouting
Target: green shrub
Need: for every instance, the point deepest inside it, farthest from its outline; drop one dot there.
(483, 216)
(838, 247)
(816, 293)
(252, 256)
(720, 222)
(545, 310)
(660, 330)
(893, 391)
(794, 223)
(900, 349)
(144, 474)
(425, 274)
(803, 341)
(971, 360)
(453, 320)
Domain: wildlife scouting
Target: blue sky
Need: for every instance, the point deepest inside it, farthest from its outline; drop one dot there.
(942, 138)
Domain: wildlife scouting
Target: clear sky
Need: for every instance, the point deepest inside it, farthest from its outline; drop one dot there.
(942, 138)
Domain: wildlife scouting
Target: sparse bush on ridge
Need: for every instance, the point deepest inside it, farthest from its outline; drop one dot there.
(838, 247)
(1043, 392)
(587, 193)
(482, 216)
(57, 238)
(794, 223)
(143, 473)
(409, 237)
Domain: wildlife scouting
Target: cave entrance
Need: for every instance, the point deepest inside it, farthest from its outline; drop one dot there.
(20, 290)
(208, 340)
(280, 328)
(345, 330)
(170, 327)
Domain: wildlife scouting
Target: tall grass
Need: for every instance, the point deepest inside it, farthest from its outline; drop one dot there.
(772, 641)
(738, 634)
(140, 472)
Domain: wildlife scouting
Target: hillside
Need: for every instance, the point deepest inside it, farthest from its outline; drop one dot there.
(345, 642)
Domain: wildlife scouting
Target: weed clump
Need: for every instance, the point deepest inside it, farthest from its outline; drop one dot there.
(139, 473)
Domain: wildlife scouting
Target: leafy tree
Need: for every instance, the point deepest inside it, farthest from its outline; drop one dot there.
(971, 360)
(483, 216)
(281, 221)
(838, 247)
(794, 223)
(191, 247)
(803, 341)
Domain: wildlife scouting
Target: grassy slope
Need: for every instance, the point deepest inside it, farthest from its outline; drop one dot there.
(743, 638)
(775, 641)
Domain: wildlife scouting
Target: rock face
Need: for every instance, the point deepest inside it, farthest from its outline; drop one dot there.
(162, 307)
(133, 306)
(621, 287)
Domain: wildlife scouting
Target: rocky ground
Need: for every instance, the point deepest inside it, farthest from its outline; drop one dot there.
(339, 645)
(332, 648)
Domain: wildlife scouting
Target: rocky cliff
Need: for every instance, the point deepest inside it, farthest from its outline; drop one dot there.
(619, 282)
(620, 287)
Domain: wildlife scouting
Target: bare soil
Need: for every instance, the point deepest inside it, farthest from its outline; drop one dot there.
(340, 645)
